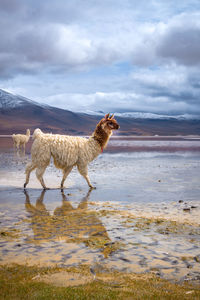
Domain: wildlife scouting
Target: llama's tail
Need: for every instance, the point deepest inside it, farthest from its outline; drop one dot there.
(37, 133)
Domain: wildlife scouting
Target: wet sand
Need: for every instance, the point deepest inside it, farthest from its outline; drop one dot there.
(143, 216)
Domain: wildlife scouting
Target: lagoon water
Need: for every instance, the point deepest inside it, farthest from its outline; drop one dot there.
(143, 216)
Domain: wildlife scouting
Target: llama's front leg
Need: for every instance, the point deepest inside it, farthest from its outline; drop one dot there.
(83, 170)
(65, 174)
(24, 146)
(17, 145)
(39, 173)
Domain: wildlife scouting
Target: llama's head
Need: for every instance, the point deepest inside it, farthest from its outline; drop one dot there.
(104, 130)
(108, 123)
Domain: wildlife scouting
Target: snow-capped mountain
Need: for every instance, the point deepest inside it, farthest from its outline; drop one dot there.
(9, 101)
(144, 115)
(18, 113)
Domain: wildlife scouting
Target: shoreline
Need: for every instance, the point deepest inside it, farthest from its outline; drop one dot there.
(118, 144)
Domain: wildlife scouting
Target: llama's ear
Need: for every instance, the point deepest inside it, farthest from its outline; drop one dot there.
(107, 116)
(111, 117)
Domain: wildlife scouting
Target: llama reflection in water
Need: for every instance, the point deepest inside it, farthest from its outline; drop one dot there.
(68, 224)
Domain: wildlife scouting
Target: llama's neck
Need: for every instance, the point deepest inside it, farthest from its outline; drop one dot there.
(101, 136)
(27, 135)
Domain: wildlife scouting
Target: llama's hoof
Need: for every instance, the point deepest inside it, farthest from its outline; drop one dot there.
(92, 187)
(46, 188)
(25, 185)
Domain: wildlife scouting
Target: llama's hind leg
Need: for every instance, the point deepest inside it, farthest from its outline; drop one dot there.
(15, 147)
(65, 174)
(39, 173)
(83, 170)
(29, 168)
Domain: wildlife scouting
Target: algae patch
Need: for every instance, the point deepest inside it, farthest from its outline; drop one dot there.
(9, 233)
(161, 226)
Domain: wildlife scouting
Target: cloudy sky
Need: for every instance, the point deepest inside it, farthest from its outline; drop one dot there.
(108, 55)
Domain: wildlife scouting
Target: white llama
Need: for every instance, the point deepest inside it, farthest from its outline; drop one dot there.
(68, 151)
(20, 140)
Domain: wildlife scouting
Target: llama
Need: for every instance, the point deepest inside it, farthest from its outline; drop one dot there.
(68, 151)
(21, 139)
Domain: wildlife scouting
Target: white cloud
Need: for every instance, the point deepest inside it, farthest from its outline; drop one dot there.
(34, 46)
(79, 55)
(122, 102)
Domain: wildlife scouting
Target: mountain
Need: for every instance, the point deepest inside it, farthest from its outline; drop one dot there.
(145, 115)
(9, 101)
(18, 113)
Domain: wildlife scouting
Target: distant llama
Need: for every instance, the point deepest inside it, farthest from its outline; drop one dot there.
(68, 151)
(20, 140)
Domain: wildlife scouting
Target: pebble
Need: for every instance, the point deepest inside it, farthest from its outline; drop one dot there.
(186, 209)
(197, 258)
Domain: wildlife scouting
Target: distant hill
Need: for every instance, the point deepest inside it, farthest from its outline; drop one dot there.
(18, 113)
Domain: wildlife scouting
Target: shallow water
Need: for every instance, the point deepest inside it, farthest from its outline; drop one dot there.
(144, 215)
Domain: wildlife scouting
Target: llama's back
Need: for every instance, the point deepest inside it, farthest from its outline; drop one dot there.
(21, 138)
(73, 150)
(66, 149)
(16, 137)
